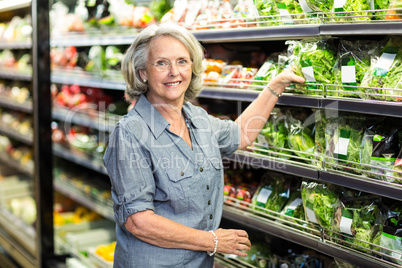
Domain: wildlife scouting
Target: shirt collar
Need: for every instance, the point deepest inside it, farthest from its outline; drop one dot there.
(190, 114)
(155, 121)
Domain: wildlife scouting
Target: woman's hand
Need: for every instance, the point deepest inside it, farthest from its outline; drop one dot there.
(233, 241)
(284, 79)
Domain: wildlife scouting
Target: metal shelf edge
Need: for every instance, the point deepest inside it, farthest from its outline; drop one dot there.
(373, 28)
(364, 184)
(19, 254)
(293, 169)
(367, 107)
(82, 200)
(257, 33)
(60, 152)
(7, 5)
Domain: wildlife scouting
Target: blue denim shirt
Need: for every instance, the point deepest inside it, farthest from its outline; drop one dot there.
(151, 168)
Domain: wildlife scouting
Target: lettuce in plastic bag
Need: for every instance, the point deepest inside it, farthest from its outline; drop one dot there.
(320, 203)
(313, 59)
(352, 63)
(385, 71)
(359, 218)
(343, 136)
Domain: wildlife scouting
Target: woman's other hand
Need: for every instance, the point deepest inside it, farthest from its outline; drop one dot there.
(232, 241)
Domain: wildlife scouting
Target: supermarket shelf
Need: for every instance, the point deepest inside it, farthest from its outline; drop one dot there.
(94, 38)
(365, 184)
(83, 199)
(234, 94)
(7, 5)
(353, 29)
(78, 159)
(4, 158)
(257, 33)
(6, 102)
(316, 243)
(13, 74)
(24, 44)
(369, 185)
(230, 262)
(126, 36)
(85, 79)
(99, 121)
(259, 161)
(385, 108)
(17, 239)
(7, 131)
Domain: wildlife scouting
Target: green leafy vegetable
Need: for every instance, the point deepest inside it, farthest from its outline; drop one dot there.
(353, 62)
(320, 203)
(385, 71)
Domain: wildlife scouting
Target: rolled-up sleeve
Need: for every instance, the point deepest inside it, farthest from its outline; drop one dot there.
(129, 167)
(227, 133)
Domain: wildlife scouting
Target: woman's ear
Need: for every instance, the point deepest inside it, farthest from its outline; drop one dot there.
(143, 75)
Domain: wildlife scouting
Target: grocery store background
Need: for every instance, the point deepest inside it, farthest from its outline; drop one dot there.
(320, 187)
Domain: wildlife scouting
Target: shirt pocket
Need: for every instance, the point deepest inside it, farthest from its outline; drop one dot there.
(179, 178)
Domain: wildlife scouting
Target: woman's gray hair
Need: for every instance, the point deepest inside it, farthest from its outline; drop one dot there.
(136, 58)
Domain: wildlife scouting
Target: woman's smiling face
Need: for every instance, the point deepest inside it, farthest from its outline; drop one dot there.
(168, 84)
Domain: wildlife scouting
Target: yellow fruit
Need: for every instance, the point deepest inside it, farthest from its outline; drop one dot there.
(101, 250)
(109, 256)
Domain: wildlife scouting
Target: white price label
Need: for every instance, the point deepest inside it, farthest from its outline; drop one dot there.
(308, 73)
(311, 215)
(341, 147)
(263, 195)
(385, 61)
(348, 74)
(345, 225)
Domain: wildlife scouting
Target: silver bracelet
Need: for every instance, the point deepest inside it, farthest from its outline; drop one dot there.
(274, 92)
(216, 244)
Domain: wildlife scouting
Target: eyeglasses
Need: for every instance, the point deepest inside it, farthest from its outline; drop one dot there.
(164, 65)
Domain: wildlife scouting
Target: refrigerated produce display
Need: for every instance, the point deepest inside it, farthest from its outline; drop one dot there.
(323, 179)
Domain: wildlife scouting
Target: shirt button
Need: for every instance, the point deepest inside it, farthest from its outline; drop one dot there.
(182, 173)
(210, 217)
(209, 202)
(207, 187)
(201, 169)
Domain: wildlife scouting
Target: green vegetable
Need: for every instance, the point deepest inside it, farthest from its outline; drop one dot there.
(269, 10)
(160, 8)
(354, 59)
(320, 203)
(300, 139)
(313, 59)
(358, 218)
(385, 71)
(321, 5)
(353, 5)
(266, 73)
(343, 137)
(381, 4)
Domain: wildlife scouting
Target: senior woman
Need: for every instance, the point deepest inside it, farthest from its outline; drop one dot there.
(164, 157)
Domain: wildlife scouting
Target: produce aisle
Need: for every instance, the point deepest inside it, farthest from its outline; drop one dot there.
(324, 173)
